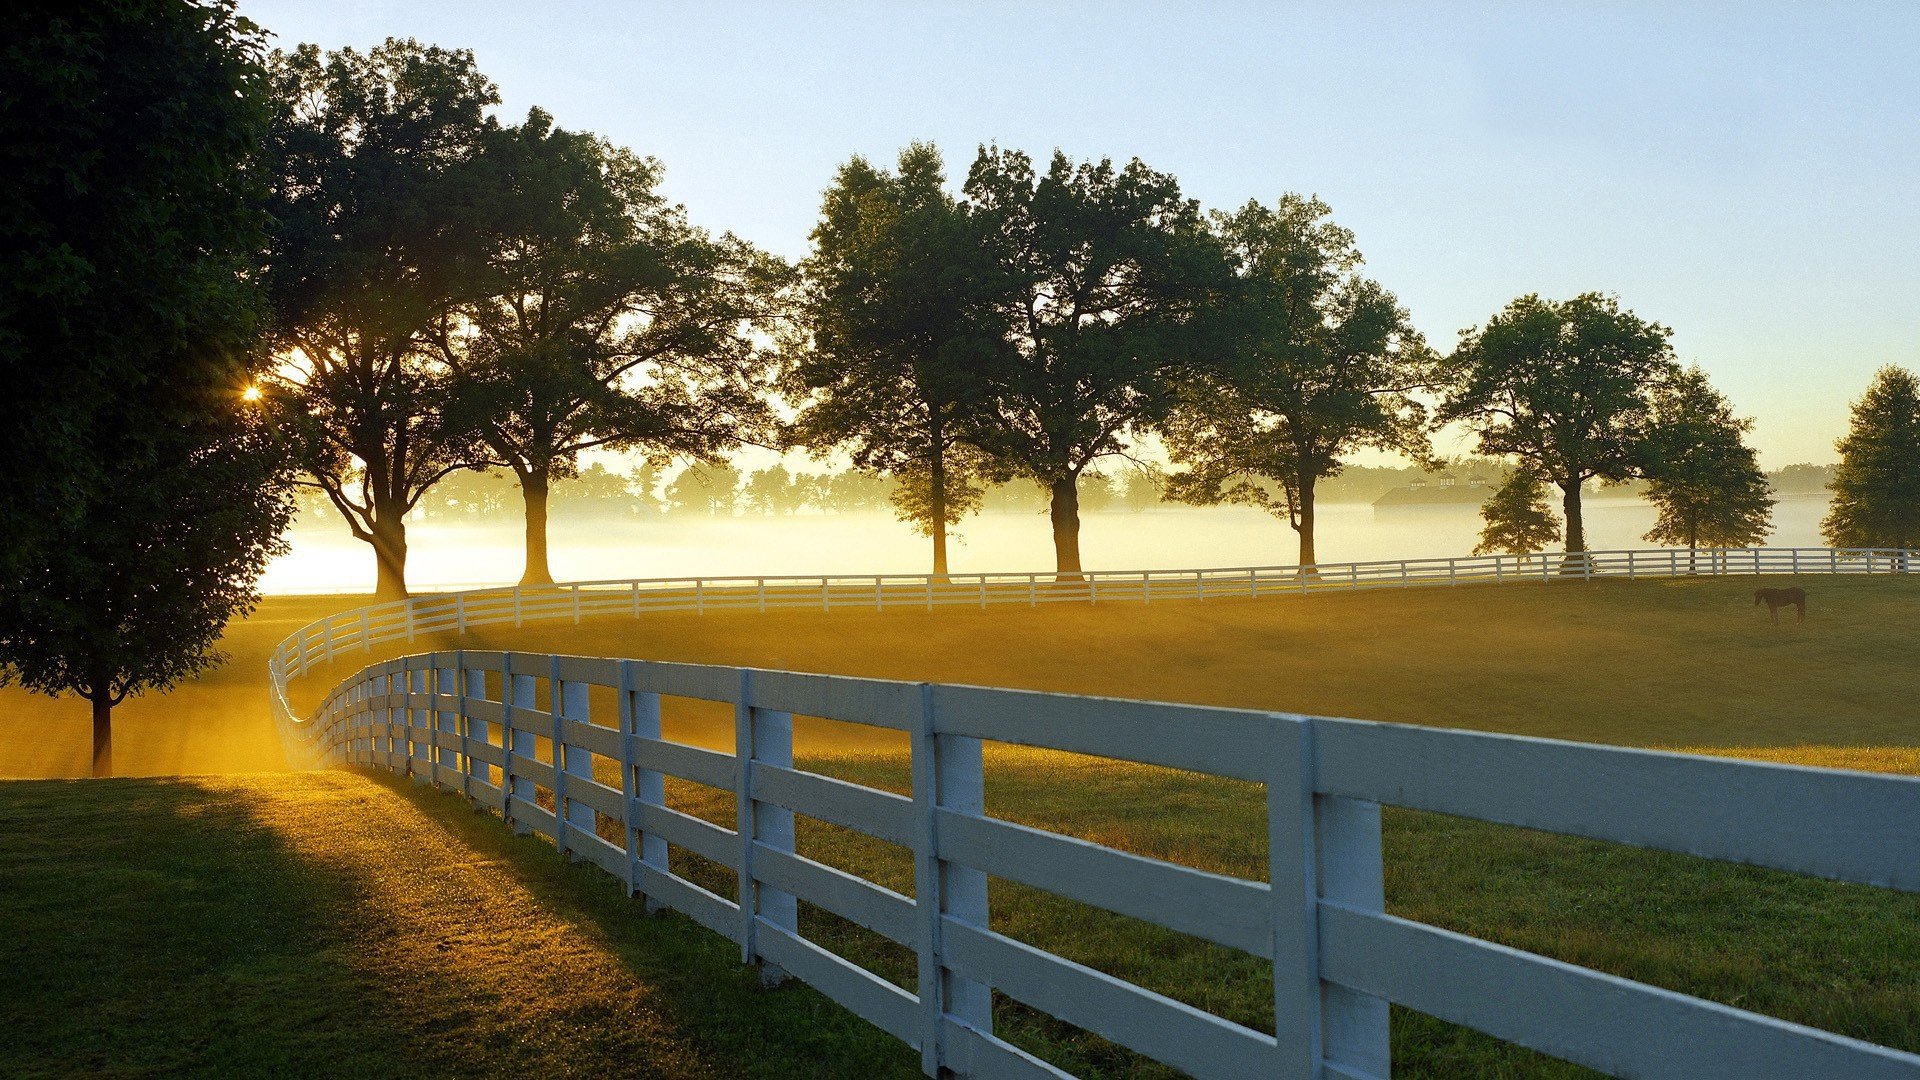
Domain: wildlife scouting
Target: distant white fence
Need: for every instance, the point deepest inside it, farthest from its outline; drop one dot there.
(511, 730)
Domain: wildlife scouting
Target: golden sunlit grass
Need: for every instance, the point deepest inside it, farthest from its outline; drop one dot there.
(1674, 664)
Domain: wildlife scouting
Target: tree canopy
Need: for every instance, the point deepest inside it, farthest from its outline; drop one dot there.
(1516, 518)
(1703, 478)
(1104, 277)
(377, 238)
(1563, 386)
(1316, 361)
(602, 318)
(1876, 488)
(898, 334)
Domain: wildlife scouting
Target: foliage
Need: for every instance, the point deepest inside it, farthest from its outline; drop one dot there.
(603, 318)
(1563, 386)
(140, 502)
(372, 157)
(1104, 277)
(897, 331)
(713, 490)
(1517, 518)
(1702, 476)
(1319, 362)
(1876, 488)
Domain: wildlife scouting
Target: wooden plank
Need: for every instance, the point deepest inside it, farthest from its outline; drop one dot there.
(971, 1052)
(486, 752)
(856, 989)
(697, 835)
(707, 767)
(484, 709)
(534, 771)
(1615, 1025)
(702, 681)
(589, 846)
(600, 797)
(1196, 1042)
(853, 898)
(1830, 823)
(712, 911)
(1223, 742)
(853, 806)
(535, 817)
(592, 738)
(594, 670)
(1226, 910)
(875, 702)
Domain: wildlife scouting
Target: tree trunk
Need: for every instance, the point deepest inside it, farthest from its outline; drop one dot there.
(938, 504)
(533, 492)
(1307, 557)
(102, 698)
(389, 529)
(1576, 527)
(1066, 528)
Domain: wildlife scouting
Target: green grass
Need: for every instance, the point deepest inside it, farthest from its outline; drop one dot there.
(1679, 664)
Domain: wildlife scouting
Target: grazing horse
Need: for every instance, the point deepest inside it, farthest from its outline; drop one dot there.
(1775, 599)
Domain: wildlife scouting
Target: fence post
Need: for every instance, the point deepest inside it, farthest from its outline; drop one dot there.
(640, 718)
(826, 599)
(576, 605)
(473, 687)
(366, 631)
(1146, 587)
(460, 612)
(761, 585)
(521, 691)
(569, 702)
(1321, 848)
(761, 735)
(419, 724)
(1033, 590)
(446, 671)
(949, 773)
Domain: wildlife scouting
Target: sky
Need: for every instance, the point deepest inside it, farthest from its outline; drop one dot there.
(1743, 175)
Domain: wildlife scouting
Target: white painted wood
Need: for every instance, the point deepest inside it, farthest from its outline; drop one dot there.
(1224, 742)
(698, 835)
(853, 898)
(1829, 823)
(949, 773)
(1221, 909)
(446, 763)
(1615, 1025)
(707, 767)
(1354, 1031)
(761, 735)
(853, 806)
(523, 690)
(867, 995)
(971, 1053)
(1189, 1039)
(1293, 895)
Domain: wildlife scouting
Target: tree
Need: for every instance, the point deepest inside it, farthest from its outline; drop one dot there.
(128, 320)
(1876, 487)
(1701, 475)
(1103, 278)
(1517, 518)
(1319, 361)
(713, 490)
(376, 240)
(897, 331)
(605, 320)
(1563, 386)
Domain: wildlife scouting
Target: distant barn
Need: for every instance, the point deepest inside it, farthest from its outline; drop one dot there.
(1445, 490)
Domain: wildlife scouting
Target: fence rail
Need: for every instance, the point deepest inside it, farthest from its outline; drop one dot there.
(518, 733)
(326, 639)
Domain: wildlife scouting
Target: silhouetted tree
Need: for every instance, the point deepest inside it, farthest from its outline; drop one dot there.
(708, 489)
(895, 334)
(1104, 277)
(141, 499)
(1876, 487)
(1517, 519)
(1563, 386)
(1317, 361)
(376, 241)
(1701, 475)
(605, 320)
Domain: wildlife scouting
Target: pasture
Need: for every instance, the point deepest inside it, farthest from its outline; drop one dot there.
(1685, 664)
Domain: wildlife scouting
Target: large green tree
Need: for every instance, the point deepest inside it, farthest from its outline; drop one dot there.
(1876, 487)
(895, 336)
(1104, 276)
(377, 237)
(1701, 475)
(1516, 519)
(146, 497)
(603, 319)
(1315, 362)
(1566, 387)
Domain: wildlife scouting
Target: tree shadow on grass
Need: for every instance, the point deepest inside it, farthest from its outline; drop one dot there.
(324, 924)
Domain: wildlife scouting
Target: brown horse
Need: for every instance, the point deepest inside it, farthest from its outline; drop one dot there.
(1775, 599)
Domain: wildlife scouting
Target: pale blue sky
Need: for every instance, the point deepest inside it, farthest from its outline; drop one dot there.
(1746, 176)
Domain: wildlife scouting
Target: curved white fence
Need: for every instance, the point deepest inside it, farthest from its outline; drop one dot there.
(324, 640)
(519, 733)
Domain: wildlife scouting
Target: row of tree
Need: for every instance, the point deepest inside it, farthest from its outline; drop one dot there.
(457, 294)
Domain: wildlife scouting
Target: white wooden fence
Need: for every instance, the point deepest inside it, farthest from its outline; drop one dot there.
(475, 722)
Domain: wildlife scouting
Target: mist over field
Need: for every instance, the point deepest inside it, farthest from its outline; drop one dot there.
(326, 559)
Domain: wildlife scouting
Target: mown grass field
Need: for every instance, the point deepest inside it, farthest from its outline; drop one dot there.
(1679, 664)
